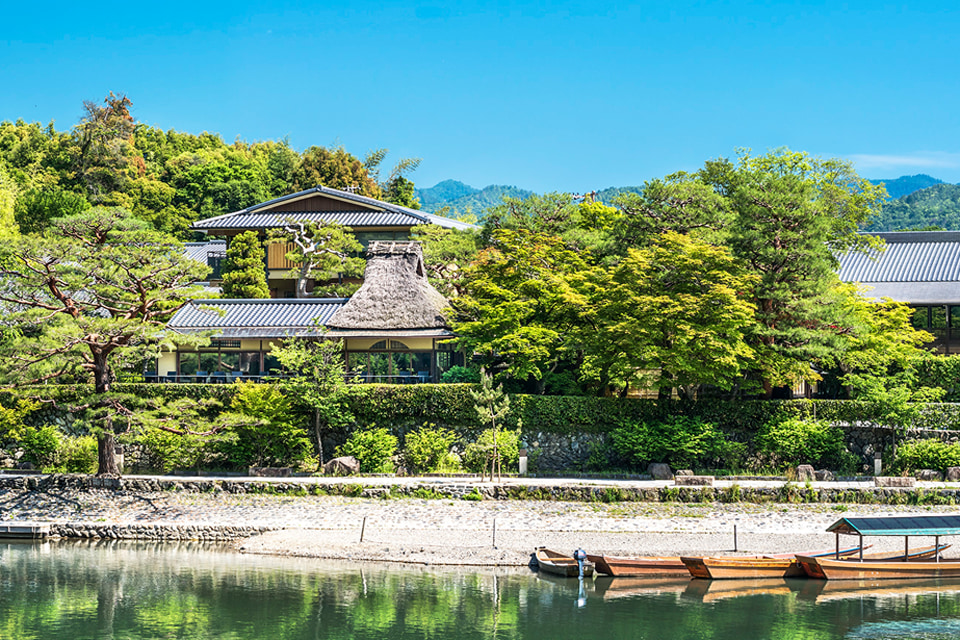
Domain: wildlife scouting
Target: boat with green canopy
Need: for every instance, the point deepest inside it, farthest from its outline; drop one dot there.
(919, 563)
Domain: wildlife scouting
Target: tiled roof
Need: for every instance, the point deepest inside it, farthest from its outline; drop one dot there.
(266, 318)
(928, 256)
(375, 214)
(200, 251)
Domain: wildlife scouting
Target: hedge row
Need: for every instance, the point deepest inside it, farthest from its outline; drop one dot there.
(402, 407)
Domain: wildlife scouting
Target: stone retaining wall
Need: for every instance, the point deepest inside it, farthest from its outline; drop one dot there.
(785, 493)
(203, 533)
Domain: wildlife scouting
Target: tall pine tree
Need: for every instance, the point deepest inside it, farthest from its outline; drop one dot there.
(244, 274)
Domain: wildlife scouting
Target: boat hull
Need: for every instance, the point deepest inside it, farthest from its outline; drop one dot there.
(652, 566)
(743, 568)
(832, 569)
(561, 565)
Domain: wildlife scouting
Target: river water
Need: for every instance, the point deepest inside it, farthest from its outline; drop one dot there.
(120, 590)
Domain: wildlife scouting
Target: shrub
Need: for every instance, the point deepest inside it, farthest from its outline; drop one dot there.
(679, 441)
(263, 430)
(458, 374)
(373, 448)
(78, 455)
(477, 454)
(428, 450)
(41, 445)
(165, 451)
(927, 454)
(796, 441)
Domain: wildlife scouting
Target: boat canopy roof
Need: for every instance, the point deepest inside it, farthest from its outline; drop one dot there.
(898, 526)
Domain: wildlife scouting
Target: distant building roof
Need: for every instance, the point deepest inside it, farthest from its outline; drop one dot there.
(898, 526)
(360, 211)
(202, 251)
(917, 267)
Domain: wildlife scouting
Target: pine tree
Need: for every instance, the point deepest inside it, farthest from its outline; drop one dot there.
(243, 270)
(492, 405)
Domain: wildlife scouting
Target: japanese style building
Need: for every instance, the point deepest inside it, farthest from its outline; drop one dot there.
(393, 327)
(368, 219)
(920, 268)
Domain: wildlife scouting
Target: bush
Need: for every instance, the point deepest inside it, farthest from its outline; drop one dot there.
(41, 445)
(263, 430)
(372, 447)
(680, 441)
(461, 375)
(78, 455)
(428, 450)
(927, 454)
(796, 441)
(477, 454)
(164, 451)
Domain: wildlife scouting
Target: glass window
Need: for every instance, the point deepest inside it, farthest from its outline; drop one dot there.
(938, 318)
(250, 363)
(444, 361)
(379, 364)
(230, 361)
(401, 364)
(209, 362)
(919, 319)
(955, 317)
(396, 345)
(380, 345)
(271, 364)
(357, 362)
(188, 364)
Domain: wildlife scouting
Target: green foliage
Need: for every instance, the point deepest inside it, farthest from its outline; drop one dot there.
(36, 208)
(446, 253)
(321, 252)
(262, 430)
(429, 450)
(243, 268)
(373, 448)
(937, 205)
(476, 455)
(41, 445)
(927, 454)
(679, 441)
(459, 375)
(165, 451)
(792, 442)
(77, 454)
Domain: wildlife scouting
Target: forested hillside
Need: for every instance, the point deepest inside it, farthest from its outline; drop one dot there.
(936, 207)
(169, 178)
(905, 185)
(463, 199)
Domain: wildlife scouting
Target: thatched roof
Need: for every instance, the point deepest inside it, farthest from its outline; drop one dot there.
(395, 293)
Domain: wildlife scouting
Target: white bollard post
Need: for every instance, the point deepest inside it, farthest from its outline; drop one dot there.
(523, 462)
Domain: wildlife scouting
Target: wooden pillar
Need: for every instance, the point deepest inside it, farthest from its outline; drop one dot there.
(837, 536)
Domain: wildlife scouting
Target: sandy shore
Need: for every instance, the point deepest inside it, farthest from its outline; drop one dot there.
(462, 532)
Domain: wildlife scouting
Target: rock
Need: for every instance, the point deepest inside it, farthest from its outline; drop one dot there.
(929, 475)
(824, 475)
(694, 481)
(953, 474)
(894, 481)
(684, 472)
(345, 466)
(805, 472)
(26, 465)
(660, 471)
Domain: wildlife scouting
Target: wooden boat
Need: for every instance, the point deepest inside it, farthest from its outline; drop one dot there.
(650, 566)
(561, 565)
(782, 565)
(921, 563)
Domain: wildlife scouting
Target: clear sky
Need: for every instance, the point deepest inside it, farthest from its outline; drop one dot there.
(566, 96)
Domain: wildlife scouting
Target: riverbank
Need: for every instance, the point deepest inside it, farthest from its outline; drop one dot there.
(432, 530)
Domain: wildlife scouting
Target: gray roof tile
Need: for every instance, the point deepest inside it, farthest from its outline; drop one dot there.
(256, 318)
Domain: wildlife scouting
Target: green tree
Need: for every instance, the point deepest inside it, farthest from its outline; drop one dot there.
(446, 255)
(35, 208)
(91, 295)
(8, 198)
(321, 252)
(492, 406)
(104, 156)
(675, 314)
(244, 274)
(790, 213)
(520, 306)
(337, 169)
(316, 370)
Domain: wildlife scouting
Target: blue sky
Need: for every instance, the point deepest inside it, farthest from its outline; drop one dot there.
(567, 96)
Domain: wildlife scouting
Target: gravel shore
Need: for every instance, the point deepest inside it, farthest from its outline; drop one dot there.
(456, 531)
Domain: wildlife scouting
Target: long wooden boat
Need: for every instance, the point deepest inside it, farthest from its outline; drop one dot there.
(648, 566)
(782, 565)
(561, 565)
(921, 563)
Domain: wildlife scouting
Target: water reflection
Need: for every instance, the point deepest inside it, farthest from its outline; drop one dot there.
(187, 590)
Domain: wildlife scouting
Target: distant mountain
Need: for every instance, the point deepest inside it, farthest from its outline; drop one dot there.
(462, 198)
(936, 206)
(905, 185)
